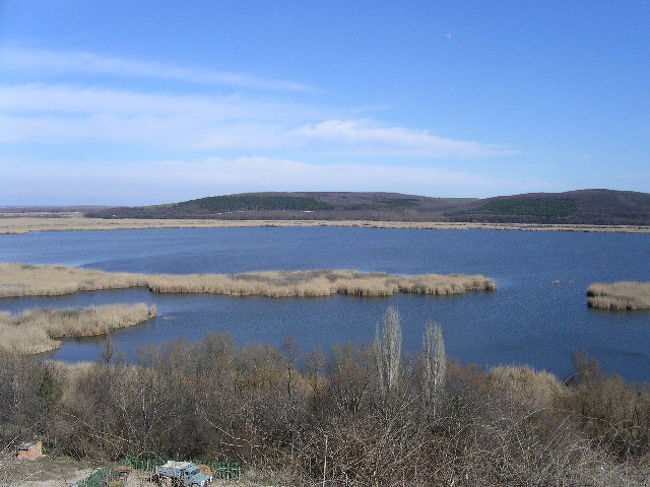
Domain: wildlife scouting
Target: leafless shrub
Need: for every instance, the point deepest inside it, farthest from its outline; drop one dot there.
(613, 413)
(510, 426)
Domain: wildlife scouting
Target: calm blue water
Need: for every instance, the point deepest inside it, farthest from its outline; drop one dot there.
(528, 320)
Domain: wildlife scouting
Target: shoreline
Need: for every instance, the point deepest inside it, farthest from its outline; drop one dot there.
(21, 225)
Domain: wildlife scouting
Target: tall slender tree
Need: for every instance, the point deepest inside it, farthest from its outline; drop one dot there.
(435, 365)
(388, 350)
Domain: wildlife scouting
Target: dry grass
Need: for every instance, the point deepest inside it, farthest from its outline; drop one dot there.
(18, 225)
(539, 388)
(36, 331)
(319, 283)
(37, 280)
(619, 296)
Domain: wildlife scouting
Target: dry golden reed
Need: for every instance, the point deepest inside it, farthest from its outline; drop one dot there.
(26, 224)
(37, 280)
(36, 331)
(525, 384)
(619, 296)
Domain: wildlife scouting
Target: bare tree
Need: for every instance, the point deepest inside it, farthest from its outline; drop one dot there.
(435, 364)
(388, 350)
(291, 351)
(314, 367)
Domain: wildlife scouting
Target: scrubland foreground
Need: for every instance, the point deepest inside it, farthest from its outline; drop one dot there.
(620, 296)
(358, 416)
(36, 331)
(18, 280)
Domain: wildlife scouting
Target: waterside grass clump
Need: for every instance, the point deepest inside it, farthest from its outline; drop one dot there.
(18, 280)
(619, 296)
(37, 331)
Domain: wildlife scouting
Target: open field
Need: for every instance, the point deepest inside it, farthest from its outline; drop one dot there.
(619, 296)
(18, 280)
(70, 222)
(37, 331)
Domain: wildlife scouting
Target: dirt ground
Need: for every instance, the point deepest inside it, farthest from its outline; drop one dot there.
(65, 472)
(43, 472)
(141, 479)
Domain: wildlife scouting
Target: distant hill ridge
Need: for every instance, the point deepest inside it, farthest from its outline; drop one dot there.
(590, 206)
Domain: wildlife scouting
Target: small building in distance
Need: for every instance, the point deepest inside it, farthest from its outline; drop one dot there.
(30, 450)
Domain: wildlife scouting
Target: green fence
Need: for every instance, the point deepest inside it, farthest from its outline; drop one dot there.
(102, 476)
(99, 478)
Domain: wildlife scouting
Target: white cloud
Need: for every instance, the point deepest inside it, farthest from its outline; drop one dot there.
(62, 114)
(41, 97)
(366, 137)
(12, 58)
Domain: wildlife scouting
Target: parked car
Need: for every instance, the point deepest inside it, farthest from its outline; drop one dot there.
(181, 474)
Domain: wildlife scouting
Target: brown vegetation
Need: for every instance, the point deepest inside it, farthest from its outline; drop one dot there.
(19, 225)
(332, 421)
(18, 280)
(619, 296)
(36, 331)
(31, 280)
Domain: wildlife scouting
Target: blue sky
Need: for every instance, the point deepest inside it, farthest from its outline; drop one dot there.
(139, 102)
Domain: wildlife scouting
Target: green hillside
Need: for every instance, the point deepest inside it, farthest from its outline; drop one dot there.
(592, 206)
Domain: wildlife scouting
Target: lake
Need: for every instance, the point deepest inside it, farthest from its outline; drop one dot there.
(529, 320)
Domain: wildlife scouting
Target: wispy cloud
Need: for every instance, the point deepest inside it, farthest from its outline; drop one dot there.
(38, 112)
(24, 59)
(61, 114)
(245, 122)
(367, 137)
(42, 97)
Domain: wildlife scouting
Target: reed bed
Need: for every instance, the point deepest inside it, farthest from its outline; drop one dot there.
(279, 284)
(37, 331)
(27, 224)
(619, 296)
(18, 280)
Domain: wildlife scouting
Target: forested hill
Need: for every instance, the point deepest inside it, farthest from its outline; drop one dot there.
(591, 206)
(325, 205)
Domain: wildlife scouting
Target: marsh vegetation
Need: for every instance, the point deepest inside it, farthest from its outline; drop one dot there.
(37, 331)
(12, 224)
(41, 280)
(619, 296)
